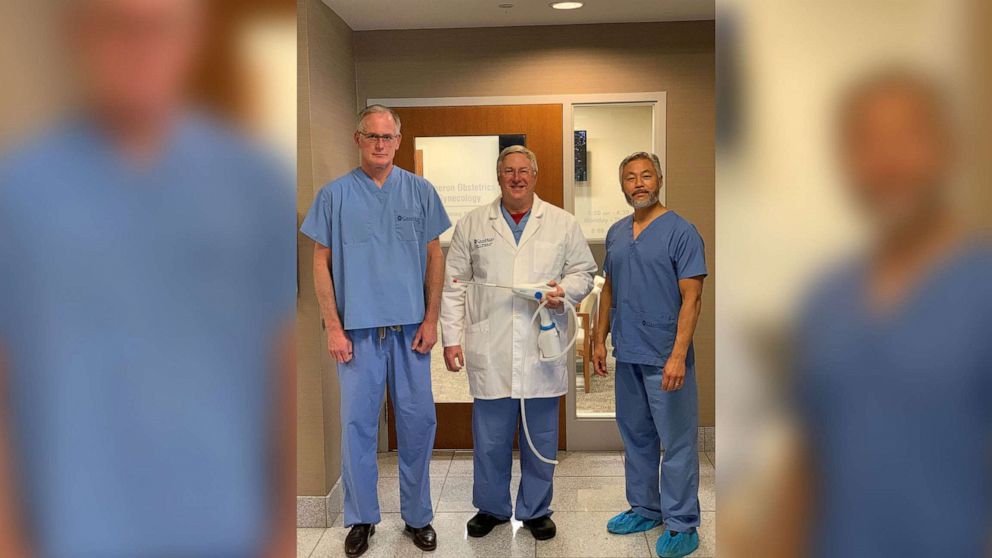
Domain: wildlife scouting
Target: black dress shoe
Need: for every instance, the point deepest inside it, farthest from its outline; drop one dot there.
(482, 524)
(425, 538)
(357, 541)
(541, 527)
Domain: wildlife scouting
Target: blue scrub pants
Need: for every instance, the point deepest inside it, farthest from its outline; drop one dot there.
(494, 423)
(649, 419)
(381, 357)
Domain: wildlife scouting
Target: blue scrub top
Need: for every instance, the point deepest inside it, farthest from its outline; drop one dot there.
(897, 411)
(378, 239)
(644, 276)
(140, 310)
(516, 228)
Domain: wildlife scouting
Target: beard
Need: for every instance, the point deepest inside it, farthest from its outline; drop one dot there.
(651, 200)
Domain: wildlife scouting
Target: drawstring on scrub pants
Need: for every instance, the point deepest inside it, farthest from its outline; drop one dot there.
(382, 332)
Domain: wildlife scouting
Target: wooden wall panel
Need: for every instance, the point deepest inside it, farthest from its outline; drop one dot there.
(541, 123)
(454, 429)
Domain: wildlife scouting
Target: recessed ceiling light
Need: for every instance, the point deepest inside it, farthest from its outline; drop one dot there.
(566, 5)
(505, 6)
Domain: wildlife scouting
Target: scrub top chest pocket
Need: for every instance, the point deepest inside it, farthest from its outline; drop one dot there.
(409, 224)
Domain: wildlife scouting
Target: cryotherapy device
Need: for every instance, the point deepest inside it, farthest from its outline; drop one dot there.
(548, 337)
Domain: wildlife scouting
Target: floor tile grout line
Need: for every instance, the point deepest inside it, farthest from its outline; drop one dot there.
(444, 483)
(647, 541)
(320, 538)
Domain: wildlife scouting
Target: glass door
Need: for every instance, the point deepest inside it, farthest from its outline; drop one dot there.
(603, 134)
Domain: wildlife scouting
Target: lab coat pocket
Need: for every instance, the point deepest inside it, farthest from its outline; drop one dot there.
(548, 378)
(652, 335)
(547, 260)
(409, 224)
(477, 346)
(356, 227)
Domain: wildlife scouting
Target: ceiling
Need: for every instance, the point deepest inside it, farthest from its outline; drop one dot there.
(365, 15)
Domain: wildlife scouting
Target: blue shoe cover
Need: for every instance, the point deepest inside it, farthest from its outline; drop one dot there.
(631, 522)
(676, 545)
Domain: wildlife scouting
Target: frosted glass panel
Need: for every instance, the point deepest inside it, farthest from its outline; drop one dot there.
(463, 170)
(611, 132)
(604, 134)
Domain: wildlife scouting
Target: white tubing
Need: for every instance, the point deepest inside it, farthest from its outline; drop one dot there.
(523, 419)
(523, 405)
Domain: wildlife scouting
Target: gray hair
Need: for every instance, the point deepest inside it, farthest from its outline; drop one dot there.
(517, 149)
(377, 109)
(638, 156)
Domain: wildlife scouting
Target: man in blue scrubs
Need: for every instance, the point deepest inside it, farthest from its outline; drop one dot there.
(654, 279)
(146, 296)
(378, 272)
(893, 360)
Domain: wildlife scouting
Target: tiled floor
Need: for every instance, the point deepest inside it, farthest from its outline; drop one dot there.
(589, 489)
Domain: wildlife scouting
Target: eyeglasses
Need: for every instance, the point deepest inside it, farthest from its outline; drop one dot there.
(375, 138)
(523, 173)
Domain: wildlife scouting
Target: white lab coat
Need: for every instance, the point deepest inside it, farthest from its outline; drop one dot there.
(493, 326)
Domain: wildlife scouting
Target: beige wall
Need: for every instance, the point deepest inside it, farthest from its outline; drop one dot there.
(326, 80)
(36, 86)
(673, 57)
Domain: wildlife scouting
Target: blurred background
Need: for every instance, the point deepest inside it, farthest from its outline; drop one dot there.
(246, 71)
(147, 382)
(852, 135)
(788, 203)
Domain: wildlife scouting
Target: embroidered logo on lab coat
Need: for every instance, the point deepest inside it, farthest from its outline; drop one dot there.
(482, 242)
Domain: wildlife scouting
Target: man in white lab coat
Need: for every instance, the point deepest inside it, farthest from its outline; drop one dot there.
(516, 239)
